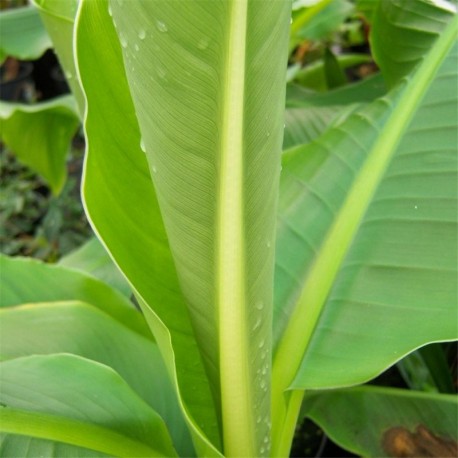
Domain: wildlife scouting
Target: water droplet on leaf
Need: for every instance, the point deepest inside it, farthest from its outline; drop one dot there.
(123, 40)
(161, 26)
(142, 34)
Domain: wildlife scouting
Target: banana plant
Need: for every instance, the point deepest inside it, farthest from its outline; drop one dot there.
(260, 278)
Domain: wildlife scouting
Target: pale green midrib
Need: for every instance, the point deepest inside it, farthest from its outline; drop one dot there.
(236, 398)
(319, 282)
(72, 432)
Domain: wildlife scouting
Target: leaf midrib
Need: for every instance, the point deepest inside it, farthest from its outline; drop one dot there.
(236, 397)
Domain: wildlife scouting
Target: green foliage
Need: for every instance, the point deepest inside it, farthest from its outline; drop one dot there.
(22, 34)
(248, 309)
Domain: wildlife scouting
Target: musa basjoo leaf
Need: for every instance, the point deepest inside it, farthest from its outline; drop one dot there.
(69, 399)
(40, 135)
(80, 329)
(209, 104)
(402, 32)
(58, 17)
(25, 280)
(22, 34)
(378, 421)
(122, 206)
(366, 242)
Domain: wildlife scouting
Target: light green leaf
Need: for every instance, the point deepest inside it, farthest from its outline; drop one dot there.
(93, 259)
(25, 280)
(79, 402)
(83, 330)
(367, 244)
(40, 135)
(366, 420)
(22, 34)
(58, 17)
(210, 113)
(402, 32)
(141, 250)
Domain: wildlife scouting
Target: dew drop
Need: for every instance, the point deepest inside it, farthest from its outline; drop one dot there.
(261, 344)
(123, 40)
(416, 207)
(142, 34)
(267, 134)
(257, 324)
(262, 450)
(142, 145)
(110, 12)
(259, 305)
(268, 244)
(258, 420)
(136, 47)
(161, 26)
(68, 75)
(154, 169)
(266, 439)
(263, 384)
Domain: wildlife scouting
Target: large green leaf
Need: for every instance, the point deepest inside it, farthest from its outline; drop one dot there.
(127, 218)
(402, 32)
(25, 280)
(40, 135)
(377, 421)
(210, 114)
(83, 330)
(76, 401)
(213, 73)
(22, 34)
(366, 245)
